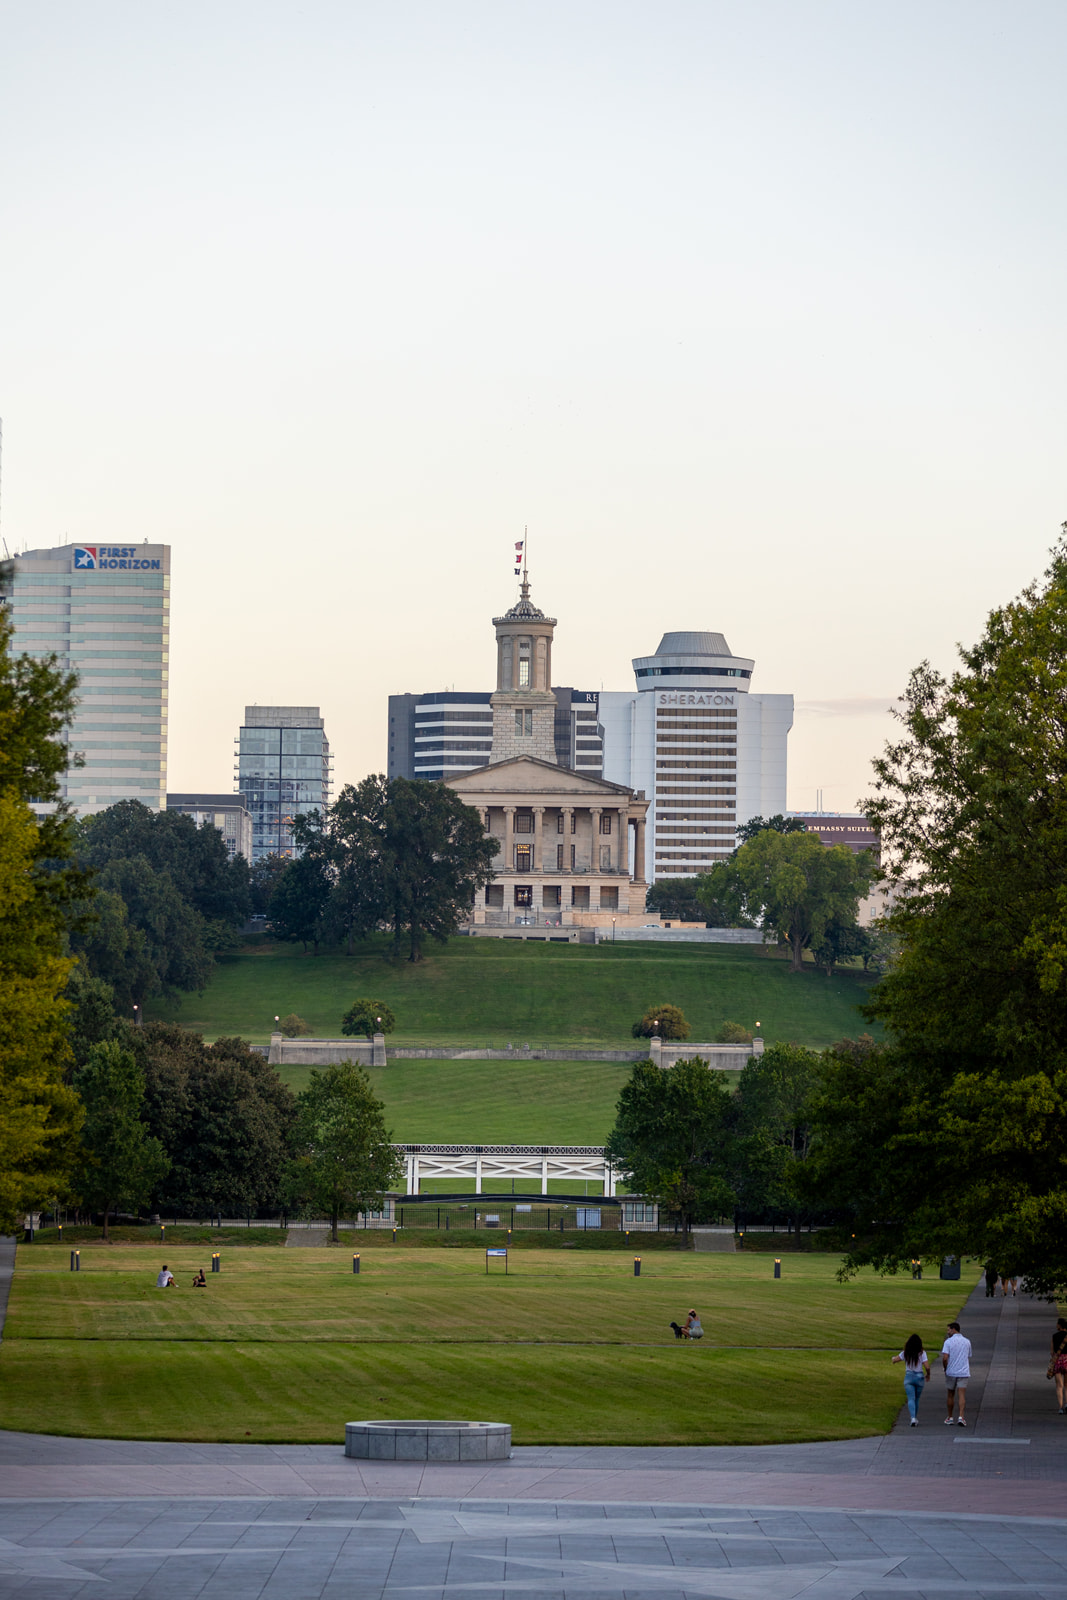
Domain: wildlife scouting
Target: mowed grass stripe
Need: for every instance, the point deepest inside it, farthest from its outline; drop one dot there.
(304, 1394)
(481, 991)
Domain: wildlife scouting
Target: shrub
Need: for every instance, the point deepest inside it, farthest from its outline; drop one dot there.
(369, 1017)
(734, 1033)
(670, 1023)
(294, 1027)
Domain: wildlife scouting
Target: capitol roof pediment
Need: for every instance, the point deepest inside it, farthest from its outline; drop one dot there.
(526, 775)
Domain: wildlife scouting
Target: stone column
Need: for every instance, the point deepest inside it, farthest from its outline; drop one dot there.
(509, 839)
(538, 861)
(639, 851)
(624, 842)
(594, 829)
(568, 812)
(377, 1050)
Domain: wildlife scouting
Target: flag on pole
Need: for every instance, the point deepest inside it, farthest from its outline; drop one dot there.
(518, 557)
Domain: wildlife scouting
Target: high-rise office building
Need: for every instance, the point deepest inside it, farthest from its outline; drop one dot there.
(435, 736)
(282, 768)
(104, 610)
(709, 753)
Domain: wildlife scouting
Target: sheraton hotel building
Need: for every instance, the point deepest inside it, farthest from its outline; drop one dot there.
(706, 751)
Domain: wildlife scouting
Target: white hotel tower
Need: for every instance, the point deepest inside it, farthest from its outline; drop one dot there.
(707, 752)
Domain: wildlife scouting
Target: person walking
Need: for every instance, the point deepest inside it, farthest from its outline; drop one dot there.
(991, 1276)
(916, 1373)
(956, 1361)
(1058, 1363)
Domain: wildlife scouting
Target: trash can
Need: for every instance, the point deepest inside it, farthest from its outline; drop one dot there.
(950, 1267)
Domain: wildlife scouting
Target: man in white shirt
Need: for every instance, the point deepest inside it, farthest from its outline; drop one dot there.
(165, 1279)
(956, 1360)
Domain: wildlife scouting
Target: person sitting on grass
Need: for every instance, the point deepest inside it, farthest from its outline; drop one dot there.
(166, 1278)
(693, 1327)
(200, 1282)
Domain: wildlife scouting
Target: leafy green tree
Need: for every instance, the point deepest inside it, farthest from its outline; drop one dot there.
(299, 901)
(92, 1018)
(223, 1116)
(734, 1033)
(970, 1099)
(842, 941)
(263, 876)
(39, 887)
(666, 1021)
(294, 1027)
(351, 844)
(437, 857)
(122, 1162)
(343, 1160)
(672, 1138)
(205, 876)
(676, 898)
(794, 884)
(775, 1094)
(747, 831)
(368, 1017)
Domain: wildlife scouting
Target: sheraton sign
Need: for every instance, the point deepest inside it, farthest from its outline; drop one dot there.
(696, 699)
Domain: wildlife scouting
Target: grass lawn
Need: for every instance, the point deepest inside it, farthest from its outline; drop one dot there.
(569, 1347)
(482, 991)
(494, 1102)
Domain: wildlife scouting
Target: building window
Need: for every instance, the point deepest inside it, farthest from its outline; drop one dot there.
(572, 858)
(580, 897)
(574, 822)
(559, 823)
(605, 858)
(609, 898)
(494, 895)
(524, 822)
(523, 894)
(523, 724)
(524, 672)
(559, 858)
(605, 822)
(551, 895)
(522, 858)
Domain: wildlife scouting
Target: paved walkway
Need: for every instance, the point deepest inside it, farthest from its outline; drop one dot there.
(920, 1512)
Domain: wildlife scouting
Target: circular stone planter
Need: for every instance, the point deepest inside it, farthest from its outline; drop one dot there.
(428, 1441)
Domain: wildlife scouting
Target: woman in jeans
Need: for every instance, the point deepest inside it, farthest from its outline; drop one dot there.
(916, 1371)
(1059, 1363)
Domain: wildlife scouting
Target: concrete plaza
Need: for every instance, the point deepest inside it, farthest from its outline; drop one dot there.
(921, 1512)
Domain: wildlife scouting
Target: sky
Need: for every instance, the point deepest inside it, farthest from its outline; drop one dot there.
(753, 314)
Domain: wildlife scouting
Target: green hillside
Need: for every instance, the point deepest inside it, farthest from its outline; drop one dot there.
(490, 991)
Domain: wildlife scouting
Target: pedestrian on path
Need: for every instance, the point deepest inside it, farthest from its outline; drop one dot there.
(916, 1372)
(1058, 1364)
(991, 1276)
(956, 1361)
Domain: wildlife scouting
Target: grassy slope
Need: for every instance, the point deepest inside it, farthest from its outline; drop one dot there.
(485, 990)
(568, 1347)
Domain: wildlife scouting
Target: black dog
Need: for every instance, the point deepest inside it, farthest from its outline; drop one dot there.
(679, 1333)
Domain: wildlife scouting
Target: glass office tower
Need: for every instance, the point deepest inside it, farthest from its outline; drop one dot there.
(283, 770)
(104, 610)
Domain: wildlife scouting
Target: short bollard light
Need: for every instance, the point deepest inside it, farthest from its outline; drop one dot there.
(355, 1264)
(75, 1264)
(216, 1262)
(162, 1232)
(394, 1234)
(637, 1266)
(777, 1266)
(60, 1233)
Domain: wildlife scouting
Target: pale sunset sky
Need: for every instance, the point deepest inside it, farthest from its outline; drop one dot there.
(753, 313)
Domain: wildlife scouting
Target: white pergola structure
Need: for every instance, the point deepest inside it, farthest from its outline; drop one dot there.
(491, 1165)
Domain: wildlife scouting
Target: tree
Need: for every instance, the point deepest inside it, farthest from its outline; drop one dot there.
(215, 884)
(121, 1160)
(969, 1100)
(369, 1017)
(794, 884)
(264, 875)
(747, 831)
(842, 940)
(437, 857)
(298, 902)
(734, 1033)
(672, 1138)
(39, 887)
(775, 1093)
(343, 1160)
(294, 1027)
(676, 898)
(668, 1022)
(222, 1114)
(91, 1018)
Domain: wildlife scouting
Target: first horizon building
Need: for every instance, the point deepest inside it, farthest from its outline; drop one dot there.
(103, 610)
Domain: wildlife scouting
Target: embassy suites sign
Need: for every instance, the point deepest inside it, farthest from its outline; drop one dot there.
(123, 557)
(667, 699)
